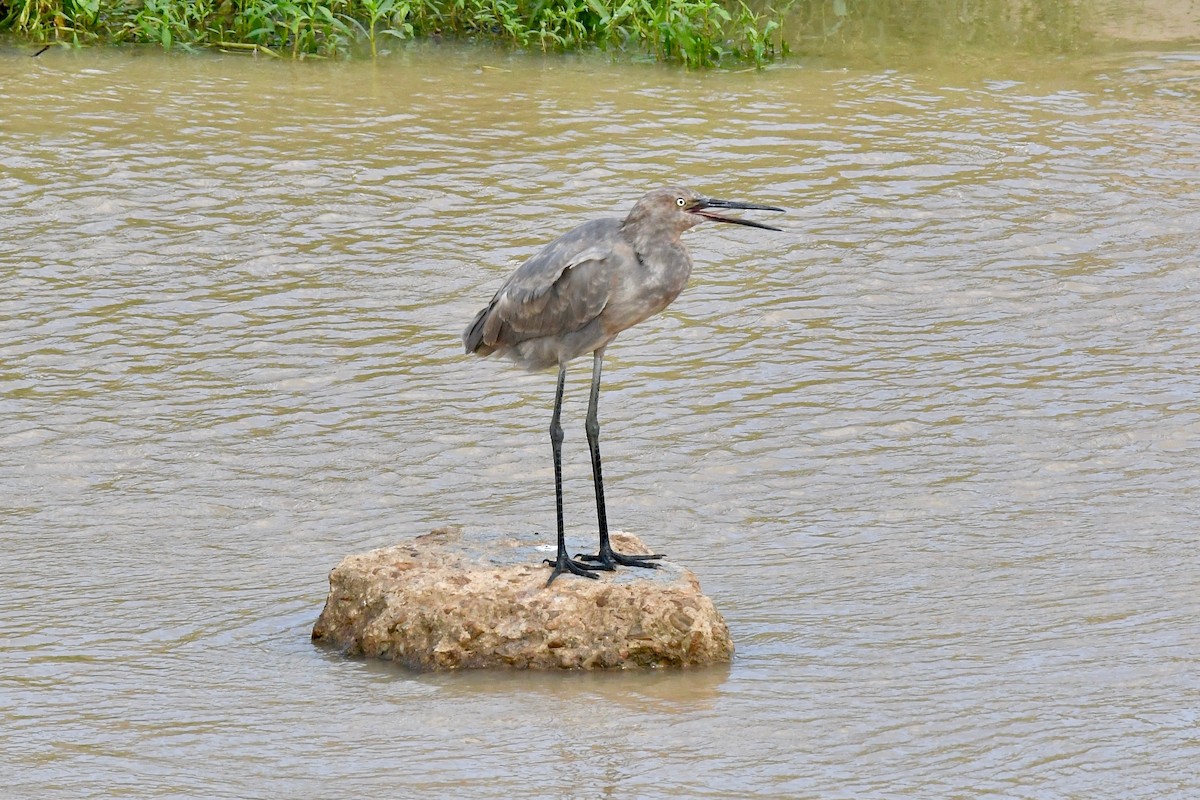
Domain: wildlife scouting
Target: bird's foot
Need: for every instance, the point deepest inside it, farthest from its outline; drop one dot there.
(563, 564)
(609, 559)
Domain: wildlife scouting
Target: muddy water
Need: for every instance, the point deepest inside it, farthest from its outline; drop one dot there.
(932, 450)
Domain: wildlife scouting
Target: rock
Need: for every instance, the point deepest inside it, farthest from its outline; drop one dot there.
(448, 601)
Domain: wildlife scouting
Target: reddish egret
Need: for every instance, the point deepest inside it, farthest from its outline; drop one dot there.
(574, 297)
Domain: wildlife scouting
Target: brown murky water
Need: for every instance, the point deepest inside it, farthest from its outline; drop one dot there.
(933, 450)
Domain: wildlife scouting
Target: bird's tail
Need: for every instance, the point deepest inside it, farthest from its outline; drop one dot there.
(473, 335)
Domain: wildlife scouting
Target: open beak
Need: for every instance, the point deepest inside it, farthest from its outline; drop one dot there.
(702, 209)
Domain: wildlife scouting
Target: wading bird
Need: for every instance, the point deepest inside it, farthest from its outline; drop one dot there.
(574, 297)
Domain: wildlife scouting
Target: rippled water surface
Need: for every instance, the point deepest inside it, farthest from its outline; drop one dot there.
(933, 450)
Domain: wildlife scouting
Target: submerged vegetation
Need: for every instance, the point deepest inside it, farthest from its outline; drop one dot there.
(691, 32)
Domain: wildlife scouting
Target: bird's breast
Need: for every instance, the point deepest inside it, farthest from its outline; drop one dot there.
(638, 294)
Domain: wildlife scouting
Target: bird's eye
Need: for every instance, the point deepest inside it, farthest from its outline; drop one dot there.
(679, 201)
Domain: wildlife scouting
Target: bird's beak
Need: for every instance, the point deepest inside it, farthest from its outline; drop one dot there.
(702, 209)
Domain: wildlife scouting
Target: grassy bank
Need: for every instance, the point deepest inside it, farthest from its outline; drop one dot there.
(694, 33)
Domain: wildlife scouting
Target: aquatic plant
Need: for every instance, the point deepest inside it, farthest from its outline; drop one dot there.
(695, 33)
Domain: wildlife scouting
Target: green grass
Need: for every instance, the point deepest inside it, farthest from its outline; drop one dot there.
(694, 33)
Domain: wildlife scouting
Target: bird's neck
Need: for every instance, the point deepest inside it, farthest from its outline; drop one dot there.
(664, 260)
(649, 238)
(665, 267)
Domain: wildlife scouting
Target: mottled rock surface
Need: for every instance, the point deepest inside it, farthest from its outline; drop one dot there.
(448, 600)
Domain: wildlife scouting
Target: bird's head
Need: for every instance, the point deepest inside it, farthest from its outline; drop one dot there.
(675, 209)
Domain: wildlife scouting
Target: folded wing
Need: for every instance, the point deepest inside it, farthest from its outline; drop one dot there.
(558, 291)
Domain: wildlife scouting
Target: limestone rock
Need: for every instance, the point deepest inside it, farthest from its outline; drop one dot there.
(449, 601)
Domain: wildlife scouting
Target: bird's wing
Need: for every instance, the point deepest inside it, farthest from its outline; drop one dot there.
(559, 290)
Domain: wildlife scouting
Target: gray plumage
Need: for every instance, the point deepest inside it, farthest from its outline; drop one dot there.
(577, 294)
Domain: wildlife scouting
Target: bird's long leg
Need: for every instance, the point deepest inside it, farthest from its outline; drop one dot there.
(561, 563)
(607, 558)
